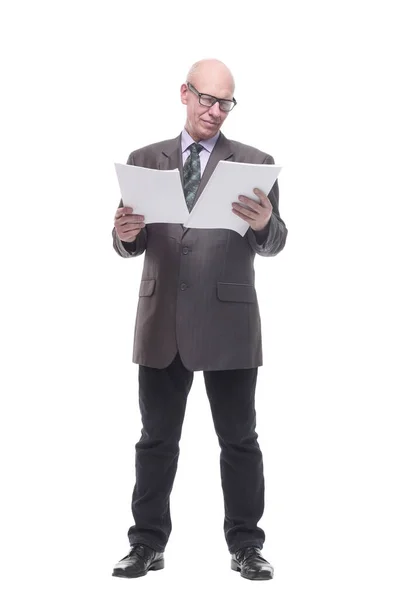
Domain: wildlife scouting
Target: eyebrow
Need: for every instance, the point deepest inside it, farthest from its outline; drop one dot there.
(212, 96)
(207, 94)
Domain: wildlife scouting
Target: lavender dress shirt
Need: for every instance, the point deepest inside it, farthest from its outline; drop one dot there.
(208, 145)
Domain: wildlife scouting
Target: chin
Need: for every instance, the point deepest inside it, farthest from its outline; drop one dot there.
(209, 131)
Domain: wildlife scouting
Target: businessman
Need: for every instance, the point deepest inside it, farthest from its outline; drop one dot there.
(198, 311)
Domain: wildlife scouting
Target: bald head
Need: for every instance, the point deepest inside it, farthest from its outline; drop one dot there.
(208, 70)
(210, 77)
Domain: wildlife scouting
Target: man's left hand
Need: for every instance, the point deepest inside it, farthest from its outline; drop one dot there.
(257, 215)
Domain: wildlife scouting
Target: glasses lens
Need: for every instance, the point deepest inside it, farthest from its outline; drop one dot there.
(226, 105)
(206, 100)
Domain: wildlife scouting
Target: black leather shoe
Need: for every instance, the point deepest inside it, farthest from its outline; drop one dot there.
(140, 559)
(251, 564)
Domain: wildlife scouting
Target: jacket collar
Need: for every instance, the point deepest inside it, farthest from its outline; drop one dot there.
(171, 158)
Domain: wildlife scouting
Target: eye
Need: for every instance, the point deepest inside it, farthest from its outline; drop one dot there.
(207, 100)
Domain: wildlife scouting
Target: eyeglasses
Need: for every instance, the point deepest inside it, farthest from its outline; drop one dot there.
(208, 100)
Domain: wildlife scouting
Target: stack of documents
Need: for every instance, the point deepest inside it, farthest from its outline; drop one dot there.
(158, 194)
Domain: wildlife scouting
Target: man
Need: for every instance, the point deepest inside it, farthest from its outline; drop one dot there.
(197, 311)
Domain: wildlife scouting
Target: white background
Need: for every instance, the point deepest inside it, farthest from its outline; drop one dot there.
(85, 83)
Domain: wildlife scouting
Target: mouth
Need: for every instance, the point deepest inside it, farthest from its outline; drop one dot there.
(208, 123)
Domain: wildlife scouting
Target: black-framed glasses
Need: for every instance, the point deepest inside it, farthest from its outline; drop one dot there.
(208, 100)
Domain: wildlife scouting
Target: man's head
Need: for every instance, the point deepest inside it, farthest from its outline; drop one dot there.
(208, 76)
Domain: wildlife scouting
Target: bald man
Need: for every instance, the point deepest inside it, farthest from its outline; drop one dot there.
(198, 311)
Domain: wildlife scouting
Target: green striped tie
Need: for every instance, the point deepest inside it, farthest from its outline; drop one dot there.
(192, 174)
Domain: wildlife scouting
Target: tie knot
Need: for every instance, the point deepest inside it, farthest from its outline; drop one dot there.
(195, 148)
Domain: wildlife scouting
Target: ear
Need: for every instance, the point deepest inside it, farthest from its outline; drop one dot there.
(184, 93)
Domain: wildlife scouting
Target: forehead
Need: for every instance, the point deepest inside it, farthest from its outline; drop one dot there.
(215, 83)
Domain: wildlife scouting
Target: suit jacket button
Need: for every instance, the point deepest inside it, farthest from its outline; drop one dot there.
(183, 286)
(185, 250)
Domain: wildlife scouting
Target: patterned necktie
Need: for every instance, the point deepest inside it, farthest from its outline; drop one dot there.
(192, 174)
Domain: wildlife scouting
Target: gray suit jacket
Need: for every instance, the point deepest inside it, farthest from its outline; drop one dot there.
(197, 293)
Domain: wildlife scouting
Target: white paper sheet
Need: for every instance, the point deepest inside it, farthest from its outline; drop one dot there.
(229, 180)
(155, 194)
(158, 194)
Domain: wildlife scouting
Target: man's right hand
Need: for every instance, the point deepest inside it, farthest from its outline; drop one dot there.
(128, 224)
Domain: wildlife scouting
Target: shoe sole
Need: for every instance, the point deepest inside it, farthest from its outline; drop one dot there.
(264, 574)
(155, 566)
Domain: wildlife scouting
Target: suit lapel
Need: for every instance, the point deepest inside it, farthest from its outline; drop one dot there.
(221, 151)
(171, 158)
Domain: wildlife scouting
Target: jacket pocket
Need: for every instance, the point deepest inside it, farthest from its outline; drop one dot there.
(236, 292)
(147, 287)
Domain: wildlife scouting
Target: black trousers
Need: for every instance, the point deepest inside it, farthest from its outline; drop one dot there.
(162, 398)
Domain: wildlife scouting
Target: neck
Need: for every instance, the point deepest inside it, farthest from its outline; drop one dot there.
(194, 137)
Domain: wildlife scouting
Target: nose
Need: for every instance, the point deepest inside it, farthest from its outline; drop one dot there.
(215, 111)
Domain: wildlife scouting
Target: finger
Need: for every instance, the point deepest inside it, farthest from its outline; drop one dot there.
(133, 218)
(250, 203)
(124, 209)
(246, 210)
(129, 229)
(124, 219)
(128, 224)
(250, 218)
(259, 193)
(263, 197)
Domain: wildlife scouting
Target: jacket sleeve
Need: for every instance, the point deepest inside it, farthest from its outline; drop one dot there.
(129, 249)
(270, 240)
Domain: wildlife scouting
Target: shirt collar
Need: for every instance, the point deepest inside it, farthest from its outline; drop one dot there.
(208, 145)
